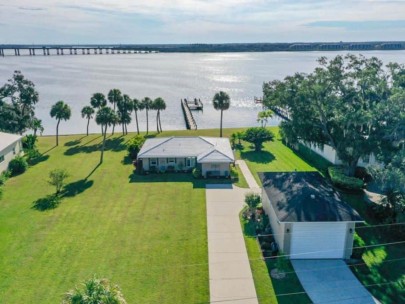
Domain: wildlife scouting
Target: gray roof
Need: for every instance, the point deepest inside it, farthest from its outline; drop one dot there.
(205, 149)
(7, 139)
(305, 197)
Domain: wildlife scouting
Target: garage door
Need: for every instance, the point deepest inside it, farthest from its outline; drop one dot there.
(318, 240)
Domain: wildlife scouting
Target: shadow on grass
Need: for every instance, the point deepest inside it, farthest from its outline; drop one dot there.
(77, 187)
(114, 144)
(49, 150)
(73, 143)
(47, 203)
(39, 159)
(177, 178)
(262, 157)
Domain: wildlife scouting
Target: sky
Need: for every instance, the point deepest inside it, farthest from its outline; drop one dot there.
(199, 21)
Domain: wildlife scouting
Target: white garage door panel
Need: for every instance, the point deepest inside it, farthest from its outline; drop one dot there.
(318, 240)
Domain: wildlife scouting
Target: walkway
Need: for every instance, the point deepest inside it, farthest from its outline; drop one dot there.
(331, 281)
(248, 175)
(230, 275)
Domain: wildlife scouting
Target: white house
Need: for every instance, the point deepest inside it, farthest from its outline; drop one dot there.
(212, 155)
(330, 154)
(308, 218)
(10, 147)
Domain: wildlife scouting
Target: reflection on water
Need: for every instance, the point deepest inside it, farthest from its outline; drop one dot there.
(172, 76)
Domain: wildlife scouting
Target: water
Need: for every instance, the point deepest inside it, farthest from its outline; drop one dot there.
(171, 76)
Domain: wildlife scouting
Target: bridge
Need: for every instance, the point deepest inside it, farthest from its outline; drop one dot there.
(64, 49)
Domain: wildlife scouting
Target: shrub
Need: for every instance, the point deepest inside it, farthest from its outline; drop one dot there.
(339, 179)
(4, 177)
(57, 178)
(29, 142)
(32, 155)
(134, 145)
(234, 172)
(18, 165)
(196, 173)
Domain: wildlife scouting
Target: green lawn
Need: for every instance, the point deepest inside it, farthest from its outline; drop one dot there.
(140, 232)
(275, 157)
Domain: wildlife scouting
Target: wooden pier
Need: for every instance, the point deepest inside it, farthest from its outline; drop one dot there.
(195, 104)
(282, 112)
(188, 116)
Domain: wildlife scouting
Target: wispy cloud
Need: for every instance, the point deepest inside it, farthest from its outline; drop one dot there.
(165, 21)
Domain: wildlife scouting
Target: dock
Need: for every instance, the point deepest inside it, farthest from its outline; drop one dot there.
(195, 104)
(281, 112)
(188, 116)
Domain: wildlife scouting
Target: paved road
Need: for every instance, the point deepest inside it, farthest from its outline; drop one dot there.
(331, 281)
(230, 275)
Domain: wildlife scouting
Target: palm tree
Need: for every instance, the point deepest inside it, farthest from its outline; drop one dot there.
(37, 126)
(105, 117)
(98, 102)
(87, 112)
(95, 291)
(147, 105)
(61, 111)
(160, 105)
(221, 101)
(114, 96)
(125, 107)
(136, 107)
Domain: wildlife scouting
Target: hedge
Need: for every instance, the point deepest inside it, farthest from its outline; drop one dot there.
(339, 179)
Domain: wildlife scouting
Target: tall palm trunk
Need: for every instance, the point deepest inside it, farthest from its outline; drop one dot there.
(220, 132)
(136, 119)
(147, 121)
(113, 128)
(57, 133)
(103, 147)
(123, 129)
(35, 132)
(88, 122)
(157, 122)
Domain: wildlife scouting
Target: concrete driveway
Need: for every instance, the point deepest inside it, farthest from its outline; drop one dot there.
(231, 279)
(331, 281)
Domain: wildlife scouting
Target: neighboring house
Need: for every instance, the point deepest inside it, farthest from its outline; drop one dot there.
(330, 154)
(212, 155)
(10, 147)
(308, 217)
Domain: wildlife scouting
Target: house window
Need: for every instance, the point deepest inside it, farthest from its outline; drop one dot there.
(14, 150)
(153, 161)
(366, 159)
(214, 166)
(171, 160)
(190, 162)
(1, 158)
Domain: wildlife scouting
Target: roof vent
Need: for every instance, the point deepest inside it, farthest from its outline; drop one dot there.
(313, 196)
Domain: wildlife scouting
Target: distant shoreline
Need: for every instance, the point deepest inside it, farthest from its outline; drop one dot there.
(73, 49)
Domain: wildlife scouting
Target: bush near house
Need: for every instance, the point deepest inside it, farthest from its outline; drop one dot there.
(18, 165)
(339, 179)
(134, 145)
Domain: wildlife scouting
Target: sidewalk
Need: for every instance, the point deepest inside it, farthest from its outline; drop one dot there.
(248, 175)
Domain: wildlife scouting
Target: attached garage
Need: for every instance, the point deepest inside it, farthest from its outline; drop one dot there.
(308, 217)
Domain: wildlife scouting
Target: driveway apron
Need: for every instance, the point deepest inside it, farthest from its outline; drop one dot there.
(331, 281)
